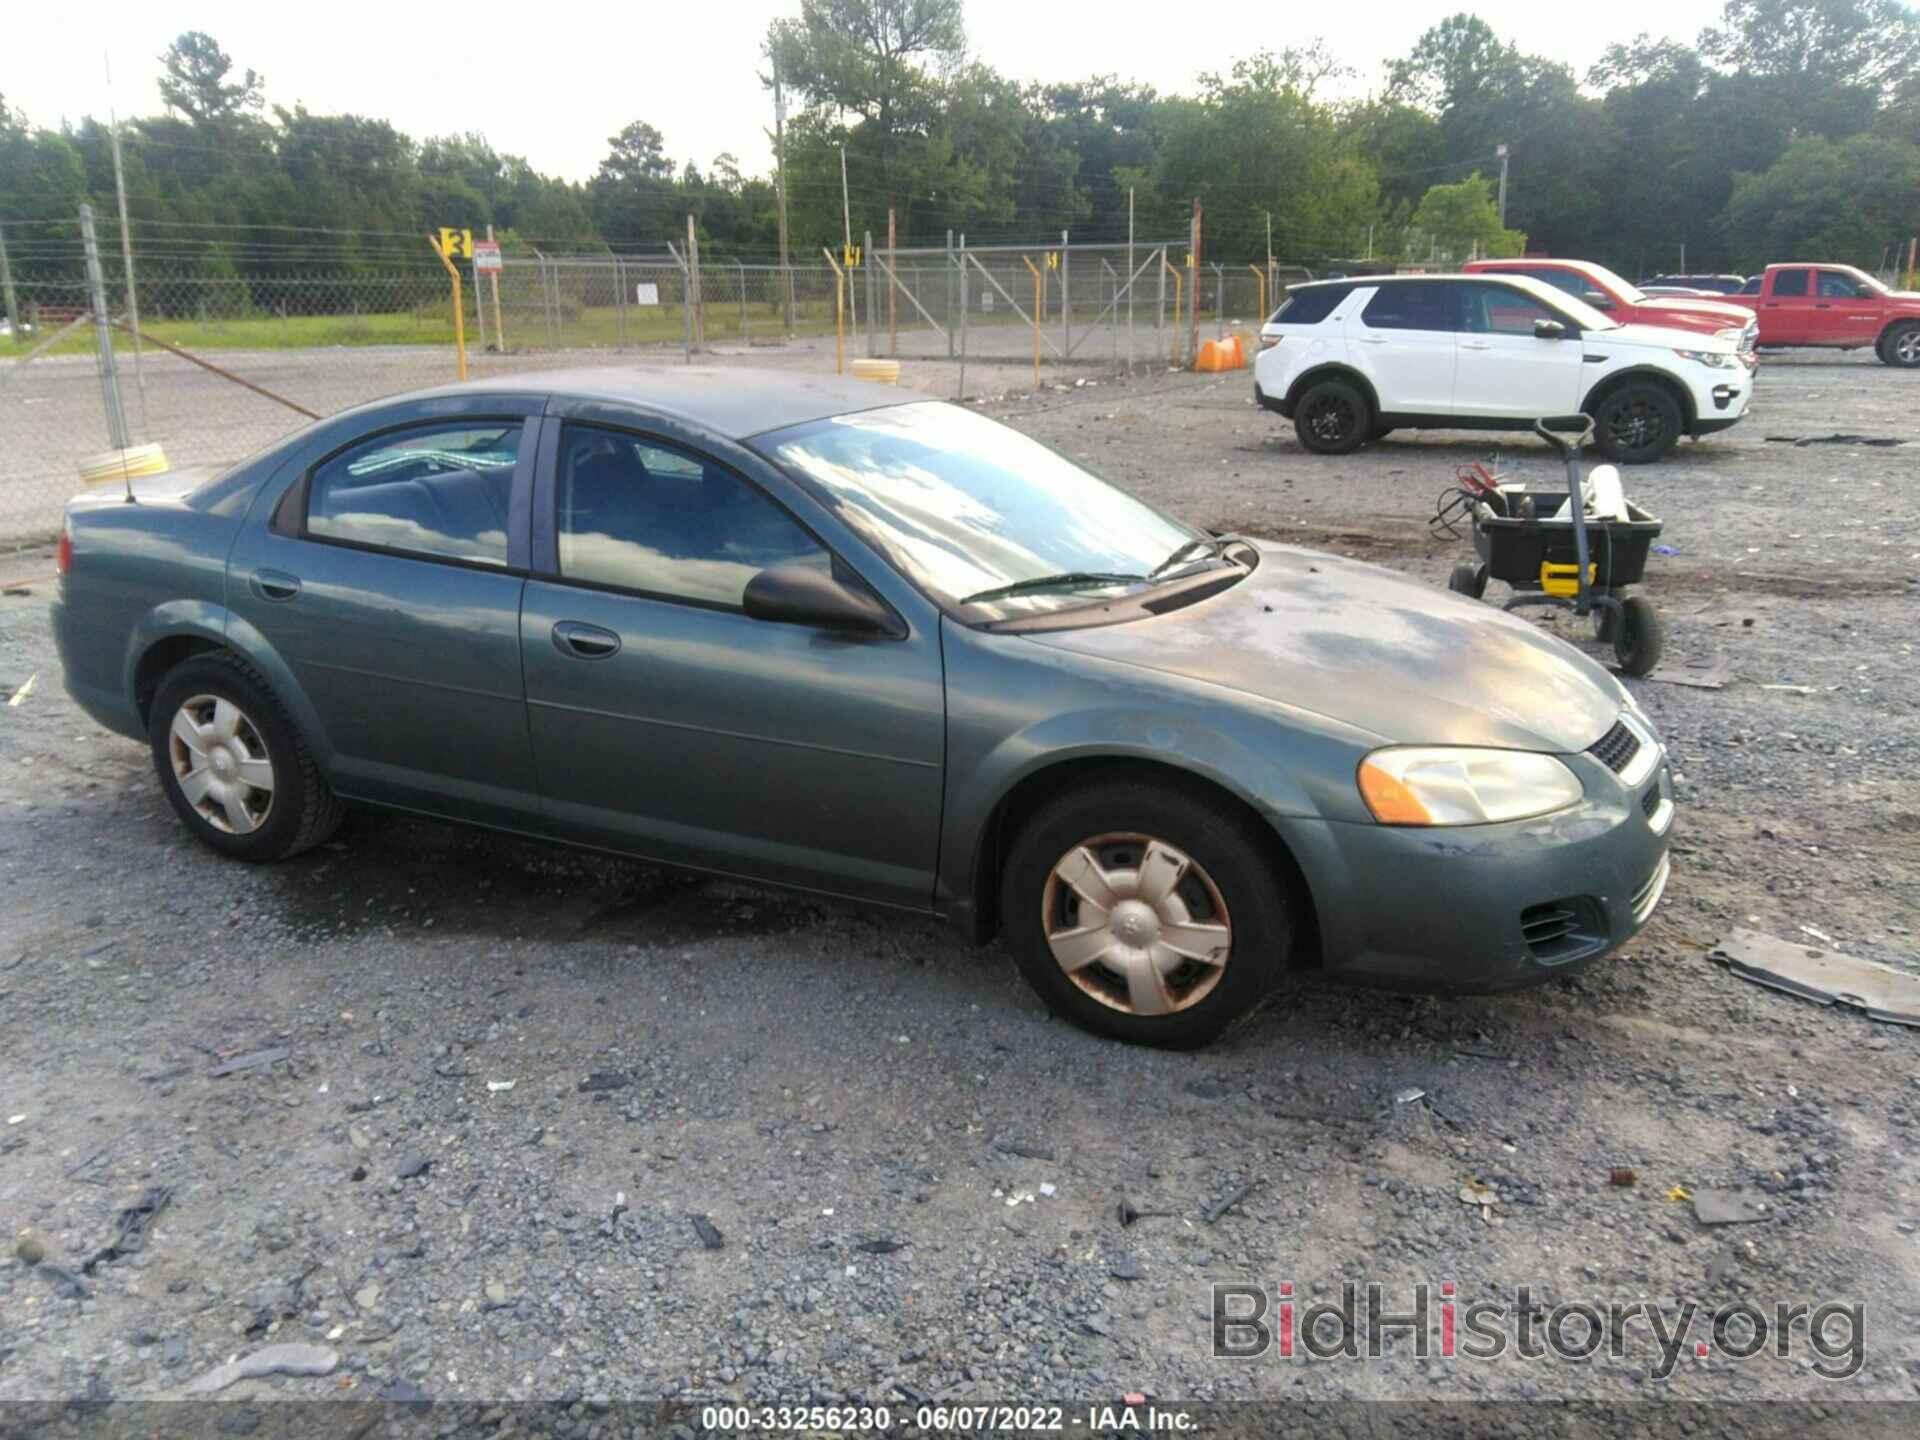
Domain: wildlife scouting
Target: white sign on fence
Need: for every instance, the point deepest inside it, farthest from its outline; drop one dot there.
(486, 257)
(986, 300)
(646, 294)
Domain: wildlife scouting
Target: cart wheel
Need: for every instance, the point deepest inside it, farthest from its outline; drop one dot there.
(1637, 637)
(1468, 579)
(1603, 622)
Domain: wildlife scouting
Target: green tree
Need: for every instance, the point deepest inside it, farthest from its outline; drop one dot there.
(1844, 200)
(195, 82)
(1461, 219)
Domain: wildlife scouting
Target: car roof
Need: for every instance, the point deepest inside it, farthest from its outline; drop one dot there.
(1536, 262)
(735, 403)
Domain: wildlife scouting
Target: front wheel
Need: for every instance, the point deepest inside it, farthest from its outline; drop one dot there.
(1332, 418)
(1140, 912)
(1902, 347)
(1638, 637)
(1638, 423)
(233, 765)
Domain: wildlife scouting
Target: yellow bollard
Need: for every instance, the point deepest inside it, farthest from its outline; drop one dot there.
(1261, 276)
(1173, 350)
(459, 315)
(1037, 282)
(839, 313)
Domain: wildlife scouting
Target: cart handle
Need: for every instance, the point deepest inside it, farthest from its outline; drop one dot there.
(1551, 427)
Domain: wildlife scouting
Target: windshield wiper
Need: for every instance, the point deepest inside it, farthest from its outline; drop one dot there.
(1066, 580)
(1202, 547)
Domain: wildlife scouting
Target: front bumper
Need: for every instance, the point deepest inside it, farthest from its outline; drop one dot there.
(1489, 907)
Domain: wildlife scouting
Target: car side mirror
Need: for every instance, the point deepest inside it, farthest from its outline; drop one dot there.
(1549, 330)
(1597, 300)
(797, 594)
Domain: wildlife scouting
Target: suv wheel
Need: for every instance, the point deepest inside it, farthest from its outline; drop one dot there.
(233, 765)
(1902, 347)
(1140, 912)
(1332, 418)
(1637, 423)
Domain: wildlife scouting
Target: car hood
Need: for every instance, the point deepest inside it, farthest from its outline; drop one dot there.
(1369, 648)
(1713, 309)
(1661, 337)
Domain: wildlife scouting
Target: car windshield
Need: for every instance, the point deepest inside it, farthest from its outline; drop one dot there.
(967, 507)
(1576, 310)
(1627, 291)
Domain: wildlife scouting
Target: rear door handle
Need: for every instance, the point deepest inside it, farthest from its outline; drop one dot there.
(275, 584)
(583, 641)
(1476, 345)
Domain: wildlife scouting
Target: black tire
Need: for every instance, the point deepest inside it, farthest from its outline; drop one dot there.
(300, 810)
(1468, 578)
(1637, 423)
(1332, 418)
(1900, 347)
(1638, 637)
(1233, 861)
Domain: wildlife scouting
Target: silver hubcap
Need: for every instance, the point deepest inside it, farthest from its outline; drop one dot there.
(221, 765)
(1136, 924)
(1908, 346)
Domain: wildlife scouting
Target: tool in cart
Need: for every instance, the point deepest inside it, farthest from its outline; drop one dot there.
(1577, 555)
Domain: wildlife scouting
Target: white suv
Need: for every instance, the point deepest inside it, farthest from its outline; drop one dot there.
(1349, 360)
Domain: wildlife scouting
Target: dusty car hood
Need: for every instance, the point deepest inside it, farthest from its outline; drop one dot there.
(1733, 315)
(1408, 661)
(1661, 337)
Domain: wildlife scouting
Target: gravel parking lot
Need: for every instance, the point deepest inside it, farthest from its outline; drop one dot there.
(498, 1077)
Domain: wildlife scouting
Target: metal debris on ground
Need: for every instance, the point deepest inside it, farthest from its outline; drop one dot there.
(24, 691)
(494, 1087)
(708, 1232)
(252, 1060)
(1025, 1149)
(1622, 1175)
(1220, 1207)
(1407, 1096)
(1710, 672)
(1678, 1193)
(603, 1080)
(130, 1226)
(1823, 976)
(1727, 1207)
(274, 1360)
(66, 1284)
(1802, 441)
(1126, 1214)
(880, 1246)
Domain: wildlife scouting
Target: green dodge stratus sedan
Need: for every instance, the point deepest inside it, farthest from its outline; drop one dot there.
(826, 635)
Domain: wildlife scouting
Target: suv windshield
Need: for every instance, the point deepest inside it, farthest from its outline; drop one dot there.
(967, 508)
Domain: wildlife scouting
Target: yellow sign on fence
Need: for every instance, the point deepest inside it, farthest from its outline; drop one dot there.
(455, 244)
(850, 256)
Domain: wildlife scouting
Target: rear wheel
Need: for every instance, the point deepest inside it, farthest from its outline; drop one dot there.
(1332, 418)
(1638, 636)
(1901, 347)
(233, 765)
(1637, 423)
(1140, 912)
(1469, 579)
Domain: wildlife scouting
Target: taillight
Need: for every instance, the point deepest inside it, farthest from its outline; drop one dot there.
(63, 550)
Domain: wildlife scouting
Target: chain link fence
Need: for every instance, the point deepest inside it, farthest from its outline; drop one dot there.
(228, 354)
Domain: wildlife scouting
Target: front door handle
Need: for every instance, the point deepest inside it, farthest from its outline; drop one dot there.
(1822, 305)
(1372, 339)
(585, 642)
(1476, 344)
(275, 584)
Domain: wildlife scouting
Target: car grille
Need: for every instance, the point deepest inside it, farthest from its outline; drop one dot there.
(1562, 930)
(1650, 801)
(1616, 748)
(1544, 924)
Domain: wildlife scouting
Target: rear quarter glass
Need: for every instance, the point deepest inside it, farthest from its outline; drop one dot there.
(1311, 306)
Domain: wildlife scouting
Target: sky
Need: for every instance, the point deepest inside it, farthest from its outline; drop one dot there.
(552, 86)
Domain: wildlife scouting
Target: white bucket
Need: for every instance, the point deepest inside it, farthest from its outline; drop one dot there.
(119, 465)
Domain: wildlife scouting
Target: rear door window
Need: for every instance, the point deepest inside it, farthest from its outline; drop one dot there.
(1790, 282)
(1421, 305)
(435, 490)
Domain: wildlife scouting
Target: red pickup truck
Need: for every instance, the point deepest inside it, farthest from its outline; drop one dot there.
(1625, 302)
(1834, 306)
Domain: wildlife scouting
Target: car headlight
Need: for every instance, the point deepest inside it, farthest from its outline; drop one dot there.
(1450, 785)
(1712, 359)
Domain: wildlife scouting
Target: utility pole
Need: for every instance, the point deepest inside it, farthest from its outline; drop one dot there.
(1193, 290)
(780, 187)
(126, 247)
(103, 333)
(1269, 239)
(1501, 151)
(846, 222)
(7, 297)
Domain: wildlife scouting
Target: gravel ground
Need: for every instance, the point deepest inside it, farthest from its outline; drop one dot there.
(862, 1106)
